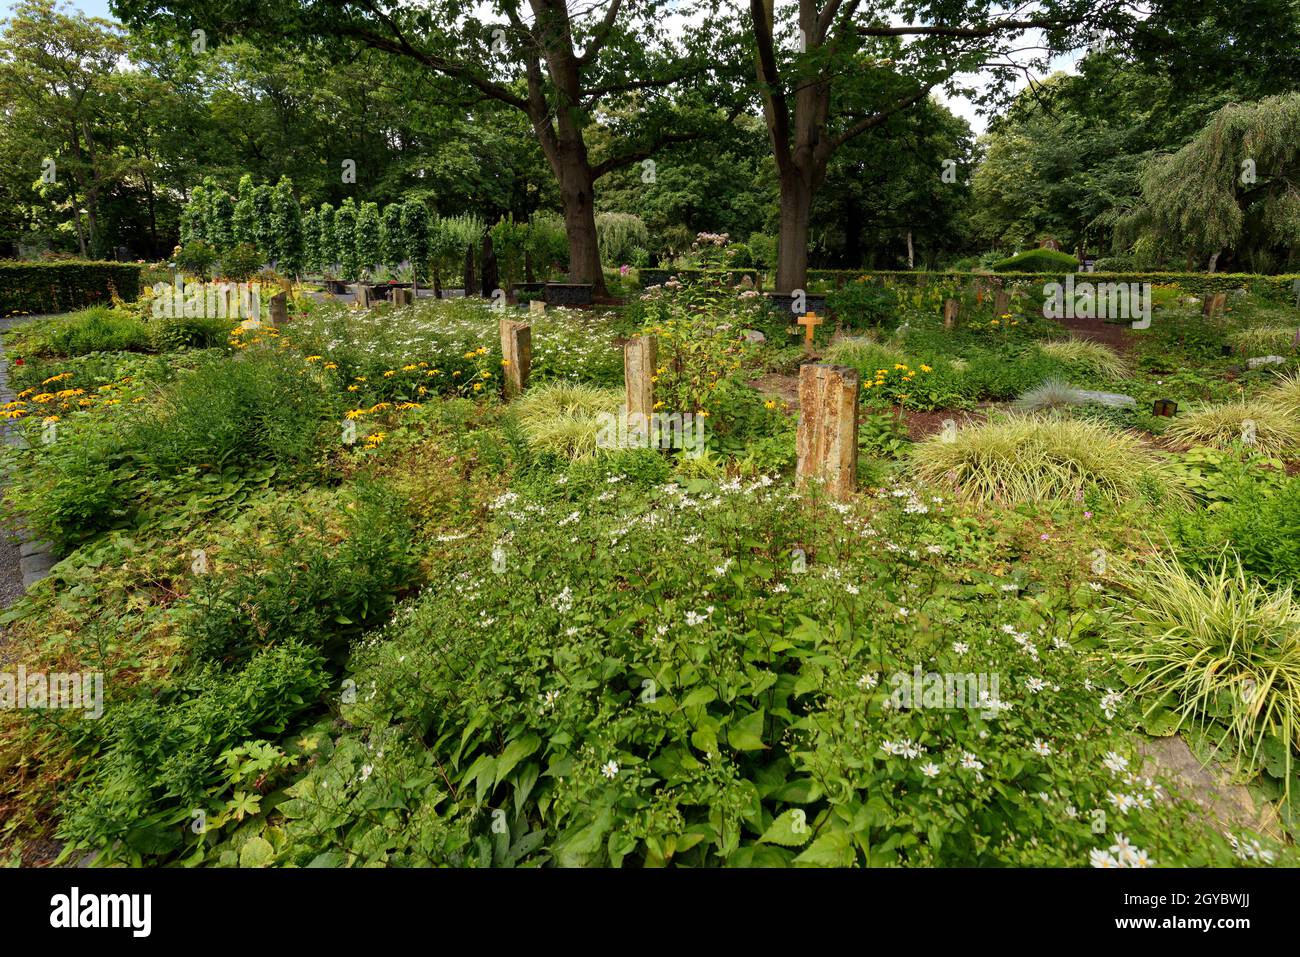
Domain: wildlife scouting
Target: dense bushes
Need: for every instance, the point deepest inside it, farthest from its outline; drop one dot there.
(47, 287)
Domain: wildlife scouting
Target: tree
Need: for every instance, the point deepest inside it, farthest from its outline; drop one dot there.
(391, 234)
(327, 250)
(577, 65)
(263, 211)
(57, 71)
(244, 220)
(416, 236)
(345, 240)
(287, 229)
(369, 245)
(221, 213)
(1235, 186)
(310, 242)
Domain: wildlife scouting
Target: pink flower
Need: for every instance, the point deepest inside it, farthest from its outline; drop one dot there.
(1044, 537)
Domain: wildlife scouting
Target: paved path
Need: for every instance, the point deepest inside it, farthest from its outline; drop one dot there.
(22, 562)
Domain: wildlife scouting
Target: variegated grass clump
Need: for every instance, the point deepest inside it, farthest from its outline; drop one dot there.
(1257, 423)
(1285, 396)
(1264, 340)
(1052, 394)
(1023, 458)
(1093, 357)
(1215, 646)
(566, 418)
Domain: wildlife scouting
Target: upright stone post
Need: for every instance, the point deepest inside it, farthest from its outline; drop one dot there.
(827, 440)
(950, 309)
(401, 296)
(517, 353)
(640, 356)
(279, 309)
(468, 278)
(1002, 303)
(362, 300)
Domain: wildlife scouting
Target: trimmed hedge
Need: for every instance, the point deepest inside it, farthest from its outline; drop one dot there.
(1193, 283)
(62, 286)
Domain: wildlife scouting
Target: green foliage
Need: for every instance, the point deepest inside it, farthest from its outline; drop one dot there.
(241, 263)
(345, 240)
(97, 329)
(566, 419)
(369, 239)
(864, 304)
(417, 234)
(392, 244)
(197, 259)
(1038, 260)
(156, 757)
(305, 584)
(287, 230)
(619, 236)
(1257, 520)
(327, 246)
(49, 287)
(1254, 423)
(244, 218)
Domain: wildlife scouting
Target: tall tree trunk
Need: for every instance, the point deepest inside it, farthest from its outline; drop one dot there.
(911, 252)
(576, 196)
(1214, 260)
(792, 240)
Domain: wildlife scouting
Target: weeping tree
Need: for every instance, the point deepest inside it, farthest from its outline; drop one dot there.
(1234, 187)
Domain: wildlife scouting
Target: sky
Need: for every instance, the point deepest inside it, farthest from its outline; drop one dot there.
(961, 106)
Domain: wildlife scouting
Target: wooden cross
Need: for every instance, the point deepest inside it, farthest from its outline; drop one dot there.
(810, 322)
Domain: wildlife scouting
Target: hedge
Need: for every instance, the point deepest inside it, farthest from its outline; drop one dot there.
(64, 285)
(1037, 260)
(1193, 283)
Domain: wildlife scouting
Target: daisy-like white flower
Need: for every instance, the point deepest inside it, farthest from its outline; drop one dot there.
(1011, 586)
(852, 589)
(960, 647)
(1009, 629)
(1141, 859)
(610, 769)
(1100, 858)
(780, 588)
(1110, 703)
(970, 762)
(695, 618)
(930, 769)
(1123, 802)
(1040, 748)
(1115, 762)
(869, 680)
(1035, 684)
(902, 612)
(564, 600)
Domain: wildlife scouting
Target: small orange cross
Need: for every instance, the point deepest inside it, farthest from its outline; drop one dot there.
(810, 322)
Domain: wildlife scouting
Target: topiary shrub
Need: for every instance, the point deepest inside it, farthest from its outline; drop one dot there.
(1038, 260)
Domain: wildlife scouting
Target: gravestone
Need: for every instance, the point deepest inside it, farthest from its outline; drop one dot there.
(279, 309)
(517, 356)
(1002, 304)
(401, 296)
(827, 441)
(950, 309)
(640, 358)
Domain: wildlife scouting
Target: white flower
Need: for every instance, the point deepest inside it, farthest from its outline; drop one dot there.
(934, 549)
(902, 612)
(1100, 858)
(695, 618)
(366, 771)
(563, 601)
(1110, 703)
(1035, 684)
(610, 769)
(1012, 586)
(1115, 762)
(970, 762)
(960, 647)
(780, 588)
(852, 589)
(1040, 748)
(869, 680)
(930, 770)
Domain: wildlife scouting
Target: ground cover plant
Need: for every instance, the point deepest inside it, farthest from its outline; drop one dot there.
(352, 608)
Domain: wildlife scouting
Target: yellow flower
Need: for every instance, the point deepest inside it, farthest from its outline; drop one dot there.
(312, 359)
(478, 386)
(353, 388)
(390, 373)
(354, 413)
(331, 365)
(410, 368)
(770, 404)
(926, 368)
